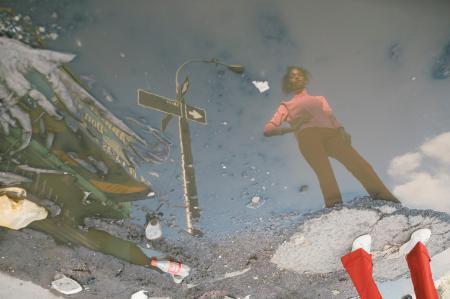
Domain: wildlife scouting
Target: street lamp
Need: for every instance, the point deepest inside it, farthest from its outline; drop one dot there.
(235, 68)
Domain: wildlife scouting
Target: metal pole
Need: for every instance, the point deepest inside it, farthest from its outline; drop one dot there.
(187, 165)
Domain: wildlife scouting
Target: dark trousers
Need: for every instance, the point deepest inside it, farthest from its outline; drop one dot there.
(317, 144)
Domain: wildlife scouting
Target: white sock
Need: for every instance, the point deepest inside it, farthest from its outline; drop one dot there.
(363, 242)
(420, 235)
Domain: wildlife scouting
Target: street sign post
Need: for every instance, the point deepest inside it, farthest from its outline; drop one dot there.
(184, 113)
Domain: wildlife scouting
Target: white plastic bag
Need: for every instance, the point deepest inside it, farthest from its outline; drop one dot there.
(17, 212)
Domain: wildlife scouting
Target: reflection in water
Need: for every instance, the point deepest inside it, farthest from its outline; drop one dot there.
(77, 155)
(93, 239)
(320, 136)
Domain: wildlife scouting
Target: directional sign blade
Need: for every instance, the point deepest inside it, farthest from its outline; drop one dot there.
(196, 114)
(150, 100)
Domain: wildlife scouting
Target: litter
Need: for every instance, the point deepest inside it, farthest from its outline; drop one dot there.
(66, 285)
(16, 212)
(140, 295)
(262, 86)
(178, 270)
(153, 229)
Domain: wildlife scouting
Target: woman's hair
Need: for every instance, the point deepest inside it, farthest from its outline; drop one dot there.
(285, 85)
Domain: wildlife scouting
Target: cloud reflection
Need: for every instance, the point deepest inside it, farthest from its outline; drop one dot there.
(424, 177)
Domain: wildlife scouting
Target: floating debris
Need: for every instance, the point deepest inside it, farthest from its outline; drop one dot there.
(262, 86)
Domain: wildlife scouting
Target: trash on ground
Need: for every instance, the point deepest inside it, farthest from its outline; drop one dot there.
(178, 270)
(255, 202)
(66, 285)
(139, 295)
(262, 86)
(153, 229)
(16, 212)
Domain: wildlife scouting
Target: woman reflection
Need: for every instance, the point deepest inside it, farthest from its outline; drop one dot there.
(319, 136)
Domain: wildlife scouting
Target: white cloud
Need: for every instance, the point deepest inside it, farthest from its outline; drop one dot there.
(425, 191)
(420, 188)
(401, 166)
(438, 148)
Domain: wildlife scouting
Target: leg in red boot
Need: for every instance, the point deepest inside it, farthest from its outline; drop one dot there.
(419, 266)
(358, 265)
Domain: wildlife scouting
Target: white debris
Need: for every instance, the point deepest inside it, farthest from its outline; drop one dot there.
(78, 43)
(262, 86)
(255, 202)
(18, 213)
(335, 292)
(140, 295)
(66, 285)
(122, 55)
(152, 173)
(153, 230)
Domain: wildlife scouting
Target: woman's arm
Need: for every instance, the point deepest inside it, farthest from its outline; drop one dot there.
(272, 128)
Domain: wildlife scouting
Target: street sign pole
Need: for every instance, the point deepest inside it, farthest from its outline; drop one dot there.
(187, 163)
(185, 113)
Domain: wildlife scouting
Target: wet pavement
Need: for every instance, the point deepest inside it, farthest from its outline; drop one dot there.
(376, 81)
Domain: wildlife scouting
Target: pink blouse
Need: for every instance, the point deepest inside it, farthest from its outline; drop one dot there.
(304, 105)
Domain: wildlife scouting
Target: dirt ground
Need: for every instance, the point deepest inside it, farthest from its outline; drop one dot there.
(33, 256)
